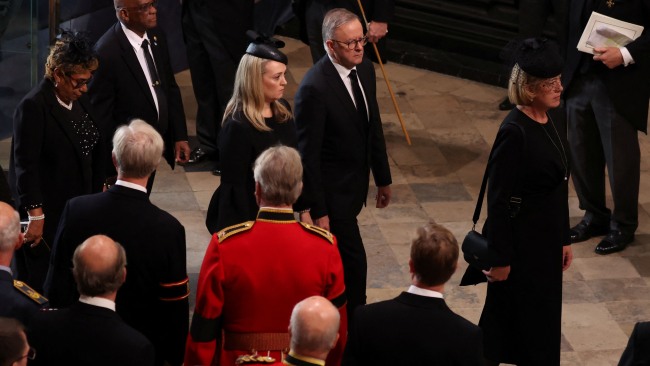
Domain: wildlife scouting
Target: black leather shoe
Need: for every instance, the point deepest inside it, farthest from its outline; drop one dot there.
(614, 242)
(506, 105)
(584, 231)
(216, 172)
(197, 155)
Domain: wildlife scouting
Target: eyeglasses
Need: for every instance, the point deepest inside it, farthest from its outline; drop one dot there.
(552, 84)
(141, 8)
(78, 83)
(31, 355)
(352, 44)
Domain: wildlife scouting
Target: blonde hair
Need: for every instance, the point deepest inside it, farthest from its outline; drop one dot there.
(522, 87)
(248, 95)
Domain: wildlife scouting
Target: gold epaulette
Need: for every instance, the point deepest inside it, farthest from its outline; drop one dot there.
(319, 231)
(235, 229)
(29, 292)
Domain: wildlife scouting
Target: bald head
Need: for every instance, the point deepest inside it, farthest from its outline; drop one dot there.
(9, 228)
(99, 266)
(314, 327)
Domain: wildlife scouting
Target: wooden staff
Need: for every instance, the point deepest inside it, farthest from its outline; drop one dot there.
(383, 71)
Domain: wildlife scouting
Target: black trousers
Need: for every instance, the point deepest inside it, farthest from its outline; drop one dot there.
(355, 264)
(599, 137)
(212, 68)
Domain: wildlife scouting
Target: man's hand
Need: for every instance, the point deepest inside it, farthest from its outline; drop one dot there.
(323, 222)
(306, 218)
(383, 196)
(567, 257)
(182, 151)
(376, 31)
(610, 56)
(497, 274)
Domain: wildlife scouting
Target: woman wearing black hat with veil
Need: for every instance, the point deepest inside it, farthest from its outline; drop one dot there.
(528, 216)
(255, 119)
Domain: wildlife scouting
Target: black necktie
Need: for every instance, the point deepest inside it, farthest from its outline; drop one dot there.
(358, 97)
(157, 87)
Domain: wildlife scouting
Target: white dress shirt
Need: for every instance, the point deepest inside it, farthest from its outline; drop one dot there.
(424, 292)
(344, 73)
(130, 185)
(136, 42)
(97, 301)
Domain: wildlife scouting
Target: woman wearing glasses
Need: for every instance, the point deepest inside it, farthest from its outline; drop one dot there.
(255, 119)
(528, 216)
(57, 150)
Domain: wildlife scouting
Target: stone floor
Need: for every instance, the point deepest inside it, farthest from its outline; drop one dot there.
(452, 123)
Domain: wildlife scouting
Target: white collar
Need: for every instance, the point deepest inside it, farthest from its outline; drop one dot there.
(63, 104)
(424, 292)
(6, 269)
(342, 70)
(98, 301)
(134, 39)
(126, 184)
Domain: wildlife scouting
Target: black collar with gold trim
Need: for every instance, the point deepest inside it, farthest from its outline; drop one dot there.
(297, 360)
(276, 215)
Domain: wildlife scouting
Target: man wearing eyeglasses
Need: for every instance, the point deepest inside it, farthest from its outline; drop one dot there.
(340, 138)
(135, 79)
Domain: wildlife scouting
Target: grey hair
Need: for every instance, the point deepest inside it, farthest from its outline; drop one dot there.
(137, 148)
(334, 19)
(9, 231)
(278, 170)
(93, 282)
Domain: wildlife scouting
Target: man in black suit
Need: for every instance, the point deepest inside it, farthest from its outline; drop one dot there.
(90, 332)
(153, 299)
(417, 327)
(340, 138)
(136, 80)
(607, 103)
(17, 300)
(215, 38)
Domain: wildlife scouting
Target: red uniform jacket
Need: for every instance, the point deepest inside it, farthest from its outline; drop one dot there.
(252, 276)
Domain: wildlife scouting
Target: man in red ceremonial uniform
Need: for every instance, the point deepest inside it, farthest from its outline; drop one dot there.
(255, 272)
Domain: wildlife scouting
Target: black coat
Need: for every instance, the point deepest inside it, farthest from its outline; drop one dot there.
(337, 151)
(13, 303)
(120, 92)
(239, 146)
(87, 335)
(412, 330)
(628, 86)
(637, 352)
(154, 242)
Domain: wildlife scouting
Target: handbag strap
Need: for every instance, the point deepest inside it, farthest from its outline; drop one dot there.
(515, 200)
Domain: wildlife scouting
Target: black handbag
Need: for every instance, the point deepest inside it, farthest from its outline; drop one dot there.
(475, 247)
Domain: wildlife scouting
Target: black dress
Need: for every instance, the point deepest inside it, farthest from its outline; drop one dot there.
(239, 145)
(521, 319)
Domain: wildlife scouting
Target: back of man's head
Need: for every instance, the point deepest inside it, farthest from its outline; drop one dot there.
(9, 228)
(12, 341)
(137, 149)
(99, 266)
(314, 327)
(434, 255)
(278, 170)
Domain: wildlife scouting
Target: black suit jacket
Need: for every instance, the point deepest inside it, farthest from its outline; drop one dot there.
(13, 303)
(46, 164)
(412, 330)
(120, 92)
(336, 149)
(87, 335)
(637, 352)
(154, 242)
(628, 86)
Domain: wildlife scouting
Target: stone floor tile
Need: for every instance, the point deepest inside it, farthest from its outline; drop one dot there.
(196, 234)
(570, 359)
(380, 294)
(601, 357)
(441, 192)
(631, 311)
(175, 201)
(400, 233)
(203, 181)
(604, 267)
(443, 212)
(585, 334)
(400, 213)
(577, 292)
(642, 265)
(619, 289)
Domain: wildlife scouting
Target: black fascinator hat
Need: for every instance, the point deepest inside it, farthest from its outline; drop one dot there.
(265, 47)
(75, 48)
(538, 57)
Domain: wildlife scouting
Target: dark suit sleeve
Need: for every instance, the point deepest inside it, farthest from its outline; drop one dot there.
(29, 134)
(506, 154)
(378, 156)
(382, 10)
(353, 354)
(174, 302)
(472, 352)
(311, 115)
(174, 100)
(60, 287)
(637, 351)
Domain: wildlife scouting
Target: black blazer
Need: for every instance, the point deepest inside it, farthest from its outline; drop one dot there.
(13, 303)
(46, 164)
(628, 87)
(412, 330)
(154, 242)
(120, 92)
(336, 149)
(87, 335)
